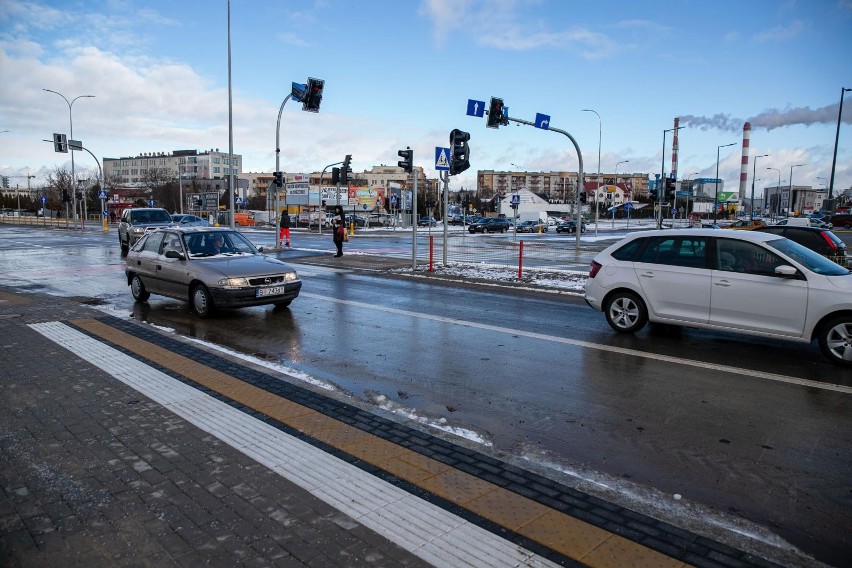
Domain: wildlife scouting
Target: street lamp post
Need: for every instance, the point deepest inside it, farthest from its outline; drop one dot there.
(615, 181)
(834, 158)
(753, 175)
(778, 193)
(599, 166)
(688, 191)
(790, 196)
(71, 137)
(716, 198)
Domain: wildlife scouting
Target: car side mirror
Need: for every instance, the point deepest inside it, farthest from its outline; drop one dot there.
(786, 271)
(260, 249)
(174, 254)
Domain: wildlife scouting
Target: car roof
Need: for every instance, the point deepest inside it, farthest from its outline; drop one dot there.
(792, 228)
(753, 236)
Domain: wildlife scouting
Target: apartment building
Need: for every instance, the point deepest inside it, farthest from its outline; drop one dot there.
(191, 164)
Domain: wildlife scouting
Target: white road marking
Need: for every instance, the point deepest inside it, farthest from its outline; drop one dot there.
(589, 345)
(427, 531)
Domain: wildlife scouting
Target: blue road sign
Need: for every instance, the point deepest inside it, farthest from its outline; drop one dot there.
(151, 203)
(43, 200)
(475, 108)
(104, 213)
(516, 198)
(542, 121)
(102, 194)
(442, 159)
(628, 206)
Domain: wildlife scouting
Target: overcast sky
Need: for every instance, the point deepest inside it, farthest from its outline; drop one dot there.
(399, 73)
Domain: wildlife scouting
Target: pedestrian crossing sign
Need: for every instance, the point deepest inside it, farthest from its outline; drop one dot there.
(442, 161)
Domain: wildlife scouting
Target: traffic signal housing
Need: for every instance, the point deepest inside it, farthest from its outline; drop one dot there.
(335, 176)
(653, 194)
(460, 158)
(346, 169)
(65, 197)
(495, 113)
(670, 190)
(407, 162)
(60, 143)
(313, 95)
(279, 178)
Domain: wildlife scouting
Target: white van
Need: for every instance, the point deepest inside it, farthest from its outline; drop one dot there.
(804, 222)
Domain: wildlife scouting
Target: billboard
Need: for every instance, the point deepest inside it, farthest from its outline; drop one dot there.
(368, 198)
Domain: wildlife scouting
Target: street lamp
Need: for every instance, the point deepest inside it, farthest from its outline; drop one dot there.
(599, 165)
(753, 175)
(71, 137)
(790, 197)
(716, 198)
(661, 190)
(836, 138)
(616, 185)
(778, 193)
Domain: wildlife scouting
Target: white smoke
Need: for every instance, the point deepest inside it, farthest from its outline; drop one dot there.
(772, 118)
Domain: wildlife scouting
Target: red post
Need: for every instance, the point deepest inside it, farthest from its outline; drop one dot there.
(431, 252)
(520, 260)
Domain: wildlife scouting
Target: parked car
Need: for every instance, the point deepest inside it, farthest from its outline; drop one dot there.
(805, 222)
(821, 241)
(134, 223)
(426, 222)
(841, 220)
(532, 227)
(189, 220)
(749, 282)
(745, 225)
(379, 220)
(490, 225)
(570, 227)
(358, 220)
(183, 263)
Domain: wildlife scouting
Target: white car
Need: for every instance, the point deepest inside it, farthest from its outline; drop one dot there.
(742, 281)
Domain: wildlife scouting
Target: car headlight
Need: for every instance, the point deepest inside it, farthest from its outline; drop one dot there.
(291, 276)
(137, 230)
(233, 283)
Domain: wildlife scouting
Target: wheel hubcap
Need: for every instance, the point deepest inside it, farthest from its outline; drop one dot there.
(840, 341)
(624, 312)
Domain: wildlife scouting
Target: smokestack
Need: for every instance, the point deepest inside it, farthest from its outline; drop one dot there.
(744, 163)
(674, 149)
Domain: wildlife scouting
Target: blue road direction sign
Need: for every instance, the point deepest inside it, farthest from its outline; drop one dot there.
(475, 108)
(151, 203)
(542, 121)
(628, 206)
(43, 200)
(442, 159)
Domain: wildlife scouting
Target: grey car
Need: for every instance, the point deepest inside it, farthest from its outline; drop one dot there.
(209, 267)
(136, 222)
(185, 220)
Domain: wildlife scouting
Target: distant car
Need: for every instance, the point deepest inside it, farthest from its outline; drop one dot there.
(379, 220)
(490, 225)
(749, 282)
(841, 220)
(356, 219)
(189, 220)
(135, 222)
(745, 225)
(569, 227)
(182, 263)
(532, 227)
(805, 222)
(426, 222)
(821, 241)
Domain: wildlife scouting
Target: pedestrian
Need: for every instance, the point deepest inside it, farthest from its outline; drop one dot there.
(284, 233)
(338, 236)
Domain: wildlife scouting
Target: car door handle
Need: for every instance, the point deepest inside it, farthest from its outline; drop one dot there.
(138, 263)
(722, 283)
(647, 274)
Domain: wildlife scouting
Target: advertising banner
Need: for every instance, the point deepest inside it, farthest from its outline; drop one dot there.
(368, 198)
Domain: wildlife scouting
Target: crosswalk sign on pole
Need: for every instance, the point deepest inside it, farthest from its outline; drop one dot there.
(442, 160)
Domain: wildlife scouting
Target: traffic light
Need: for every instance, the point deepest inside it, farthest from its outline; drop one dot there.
(460, 158)
(313, 95)
(583, 197)
(653, 194)
(279, 178)
(60, 143)
(346, 169)
(65, 197)
(670, 190)
(407, 162)
(495, 113)
(335, 176)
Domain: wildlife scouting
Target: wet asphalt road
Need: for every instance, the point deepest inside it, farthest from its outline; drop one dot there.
(720, 420)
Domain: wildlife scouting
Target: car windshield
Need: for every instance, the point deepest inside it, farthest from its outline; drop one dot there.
(218, 243)
(808, 258)
(157, 216)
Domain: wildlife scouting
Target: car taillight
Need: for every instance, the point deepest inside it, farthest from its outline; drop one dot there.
(827, 236)
(596, 266)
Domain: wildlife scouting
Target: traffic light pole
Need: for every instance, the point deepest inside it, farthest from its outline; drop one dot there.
(414, 225)
(445, 177)
(579, 219)
(278, 162)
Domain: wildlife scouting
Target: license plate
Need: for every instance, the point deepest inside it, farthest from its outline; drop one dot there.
(273, 291)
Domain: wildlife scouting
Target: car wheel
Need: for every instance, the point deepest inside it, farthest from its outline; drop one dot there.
(137, 288)
(202, 302)
(484, 230)
(625, 312)
(835, 340)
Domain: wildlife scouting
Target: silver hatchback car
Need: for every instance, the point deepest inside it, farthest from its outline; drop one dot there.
(209, 267)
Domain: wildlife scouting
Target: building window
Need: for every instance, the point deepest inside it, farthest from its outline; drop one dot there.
(215, 170)
(215, 160)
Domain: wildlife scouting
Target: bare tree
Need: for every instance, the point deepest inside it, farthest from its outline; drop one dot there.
(57, 181)
(162, 187)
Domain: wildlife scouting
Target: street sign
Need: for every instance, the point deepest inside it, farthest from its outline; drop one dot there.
(75, 144)
(151, 203)
(628, 206)
(475, 108)
(442, 162)
(102, 195)
(353, 202)
(542, 121)
(43, 200)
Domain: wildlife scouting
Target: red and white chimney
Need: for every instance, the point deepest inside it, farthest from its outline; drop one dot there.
(674, 149)
(744, 162)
